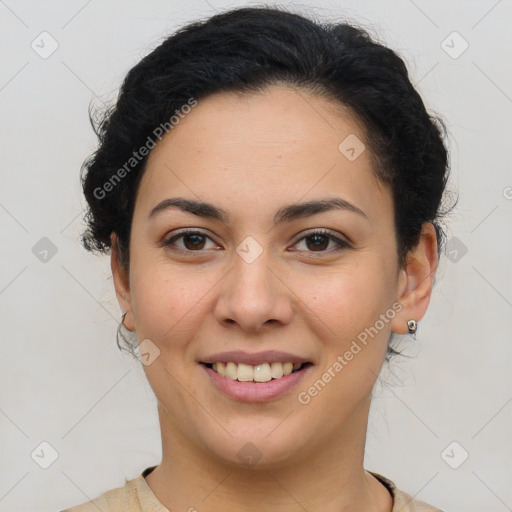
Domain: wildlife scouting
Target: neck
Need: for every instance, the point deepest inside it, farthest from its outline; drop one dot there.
(330, 477)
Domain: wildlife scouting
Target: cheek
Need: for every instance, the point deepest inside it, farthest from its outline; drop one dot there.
(167, 300)
(349, 304)
(348, 299)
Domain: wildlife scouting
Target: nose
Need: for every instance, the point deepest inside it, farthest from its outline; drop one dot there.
(253, 295)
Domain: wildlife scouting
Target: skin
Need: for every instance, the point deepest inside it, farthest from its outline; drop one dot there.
(251, 154)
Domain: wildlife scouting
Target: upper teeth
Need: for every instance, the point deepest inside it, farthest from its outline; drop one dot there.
(259, 373)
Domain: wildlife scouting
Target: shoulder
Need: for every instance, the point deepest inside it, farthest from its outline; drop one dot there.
(133, 496)
(403, 502)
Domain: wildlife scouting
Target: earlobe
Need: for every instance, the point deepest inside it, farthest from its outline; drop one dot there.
(416, 280)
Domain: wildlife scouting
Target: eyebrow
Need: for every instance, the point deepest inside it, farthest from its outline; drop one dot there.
(287, 213)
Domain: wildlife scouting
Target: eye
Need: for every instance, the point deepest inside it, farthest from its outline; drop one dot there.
(193, 241)
(319, 241)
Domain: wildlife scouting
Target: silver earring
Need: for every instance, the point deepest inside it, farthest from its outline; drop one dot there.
(412, 326)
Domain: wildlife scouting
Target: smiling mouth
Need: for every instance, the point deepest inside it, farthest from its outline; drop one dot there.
(264, 372)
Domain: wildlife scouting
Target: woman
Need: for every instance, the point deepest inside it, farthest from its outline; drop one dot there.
(270, 189)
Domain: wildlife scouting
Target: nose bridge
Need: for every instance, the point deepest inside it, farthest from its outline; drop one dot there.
(251, 284)
(252, 277)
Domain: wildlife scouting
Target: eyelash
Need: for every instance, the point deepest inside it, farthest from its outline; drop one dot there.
(342, 244)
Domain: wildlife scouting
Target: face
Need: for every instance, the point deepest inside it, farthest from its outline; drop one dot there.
(250, 276)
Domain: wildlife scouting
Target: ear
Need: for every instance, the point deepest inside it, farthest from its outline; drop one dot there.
(416, 280)
(121, 283)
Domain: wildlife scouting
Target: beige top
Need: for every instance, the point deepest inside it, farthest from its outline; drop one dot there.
(137, 496)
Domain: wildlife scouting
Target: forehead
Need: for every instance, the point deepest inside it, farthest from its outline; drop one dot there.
(253, 152)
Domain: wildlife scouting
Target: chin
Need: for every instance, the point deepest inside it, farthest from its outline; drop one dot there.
(256, 450)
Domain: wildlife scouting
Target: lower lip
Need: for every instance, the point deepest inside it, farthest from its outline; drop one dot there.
(256, 391)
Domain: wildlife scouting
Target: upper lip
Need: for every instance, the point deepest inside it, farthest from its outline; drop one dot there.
(268, 356)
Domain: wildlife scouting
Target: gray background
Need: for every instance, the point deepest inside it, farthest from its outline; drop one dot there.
(62, 379)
